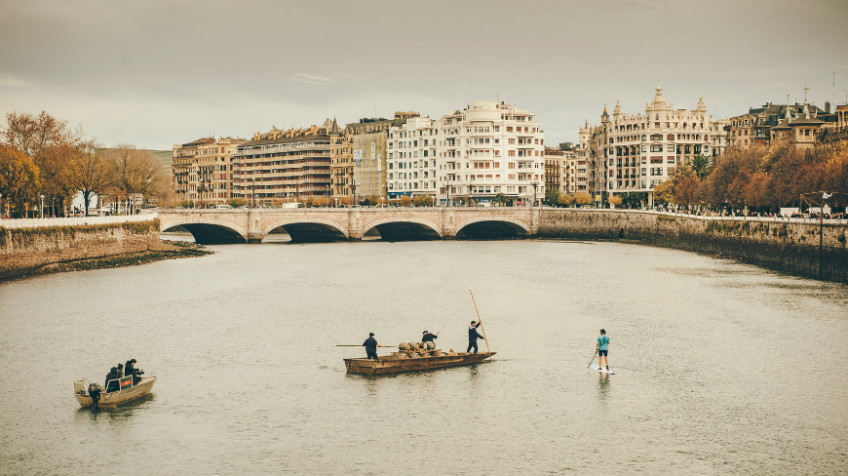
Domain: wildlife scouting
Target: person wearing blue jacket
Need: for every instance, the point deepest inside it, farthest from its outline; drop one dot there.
(602, 346)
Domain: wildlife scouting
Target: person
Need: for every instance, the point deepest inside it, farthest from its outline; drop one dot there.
(602, 346)
(129, 369)
(371, 346)
(114, 385)
(473, 335)
(428, 337)
(120, 368)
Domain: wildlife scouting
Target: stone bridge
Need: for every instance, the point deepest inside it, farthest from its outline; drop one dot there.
(352, 224)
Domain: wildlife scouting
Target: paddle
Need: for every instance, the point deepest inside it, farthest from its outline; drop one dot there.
(593, 359)
(479, 319)
(360, 345)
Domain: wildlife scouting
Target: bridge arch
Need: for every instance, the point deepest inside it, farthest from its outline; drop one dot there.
(210, 231)
(309, 230)
(400, 228)
(492, 228)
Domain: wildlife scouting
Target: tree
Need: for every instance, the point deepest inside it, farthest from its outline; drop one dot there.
(133, 171)
(664, 192)
(701, 165)
(423, 200)
(565, 199)
(583, 198)
(88, 174)
(502, 199)
(551, 195)
(405, 201)
(51, 145)
(615, 200)
(19, 177)
(320, 201)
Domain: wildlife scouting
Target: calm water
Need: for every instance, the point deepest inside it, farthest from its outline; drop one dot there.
(722, 368)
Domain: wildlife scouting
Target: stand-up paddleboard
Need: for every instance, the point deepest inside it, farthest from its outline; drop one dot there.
(594, 368)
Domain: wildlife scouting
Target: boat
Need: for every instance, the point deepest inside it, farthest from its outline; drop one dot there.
(392, 364)
(91, 396)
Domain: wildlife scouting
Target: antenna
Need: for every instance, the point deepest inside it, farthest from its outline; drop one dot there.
(805, 92)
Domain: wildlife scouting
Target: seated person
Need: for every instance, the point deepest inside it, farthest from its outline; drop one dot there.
(112, 384)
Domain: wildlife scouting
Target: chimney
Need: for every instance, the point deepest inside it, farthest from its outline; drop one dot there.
(827, 107)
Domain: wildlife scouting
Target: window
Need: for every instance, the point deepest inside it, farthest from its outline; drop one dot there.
(656, 148)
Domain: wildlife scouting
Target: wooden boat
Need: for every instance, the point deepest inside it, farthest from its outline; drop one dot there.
(392, 365)
(127, 393)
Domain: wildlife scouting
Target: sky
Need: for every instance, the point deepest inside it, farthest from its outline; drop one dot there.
(155, 73)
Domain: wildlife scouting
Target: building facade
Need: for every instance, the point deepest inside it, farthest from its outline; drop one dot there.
(279, 166)
(469, 156)
(754, 127)
(202, 171)
(635, 153)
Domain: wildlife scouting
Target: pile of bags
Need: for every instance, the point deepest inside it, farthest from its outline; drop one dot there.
(416, 350)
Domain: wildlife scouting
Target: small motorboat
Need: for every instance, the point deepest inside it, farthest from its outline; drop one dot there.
(123, 391)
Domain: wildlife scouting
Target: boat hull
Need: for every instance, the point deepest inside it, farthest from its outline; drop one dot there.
(387, 365)
(113, 399)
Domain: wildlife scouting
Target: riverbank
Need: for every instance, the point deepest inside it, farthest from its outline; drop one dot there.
(165, 251)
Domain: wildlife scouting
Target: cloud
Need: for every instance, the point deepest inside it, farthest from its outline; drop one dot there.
(311, 79)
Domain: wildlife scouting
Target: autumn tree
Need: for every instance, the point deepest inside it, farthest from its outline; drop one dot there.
(565, 199)
(423, 200)
(19, 177)
(583, 198)
(615, 200)
(51, 145)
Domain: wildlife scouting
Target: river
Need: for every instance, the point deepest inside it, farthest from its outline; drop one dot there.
(722, 368)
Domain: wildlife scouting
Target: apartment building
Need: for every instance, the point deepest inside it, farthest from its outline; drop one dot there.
(469, 156)
(282, 166)
(202, 171)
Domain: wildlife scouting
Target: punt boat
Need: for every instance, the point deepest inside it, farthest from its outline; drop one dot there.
(392, 364)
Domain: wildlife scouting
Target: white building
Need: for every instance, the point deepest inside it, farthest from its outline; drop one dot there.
(472, 155)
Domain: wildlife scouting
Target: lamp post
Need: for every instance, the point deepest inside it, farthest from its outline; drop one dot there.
(42, 206)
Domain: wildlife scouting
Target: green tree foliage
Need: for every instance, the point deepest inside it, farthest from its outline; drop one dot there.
(551, 195)
(502, 199)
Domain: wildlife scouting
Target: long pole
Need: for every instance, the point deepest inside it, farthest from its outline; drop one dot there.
(479, 319)
(821, 237)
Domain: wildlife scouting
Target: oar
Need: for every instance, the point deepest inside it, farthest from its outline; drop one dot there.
(593, 359)
(360, 345)
(479, 319)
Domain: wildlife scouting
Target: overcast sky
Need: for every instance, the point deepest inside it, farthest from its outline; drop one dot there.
(158, 72)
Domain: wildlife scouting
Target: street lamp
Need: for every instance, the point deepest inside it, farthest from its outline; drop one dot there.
(42, 206)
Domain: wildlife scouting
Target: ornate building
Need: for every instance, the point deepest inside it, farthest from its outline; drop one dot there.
(754, 127)
(284, 166)
(202, 171)
(635, 153)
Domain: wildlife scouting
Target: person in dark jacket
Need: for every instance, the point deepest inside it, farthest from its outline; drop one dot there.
(120, 368)
(428, 337)
(129, 369)
(371, 346)
(112, 375)
(473, 335)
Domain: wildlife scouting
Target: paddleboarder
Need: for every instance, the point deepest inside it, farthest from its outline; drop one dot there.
(371, 346)
(602, 346)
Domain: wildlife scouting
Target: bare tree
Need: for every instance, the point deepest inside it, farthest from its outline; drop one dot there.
(89, 174)
(134, 171)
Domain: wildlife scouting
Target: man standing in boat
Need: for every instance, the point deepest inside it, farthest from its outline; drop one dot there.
(473, 335)
(371, 346)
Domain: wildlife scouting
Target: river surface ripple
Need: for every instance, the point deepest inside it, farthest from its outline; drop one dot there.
(723, 368)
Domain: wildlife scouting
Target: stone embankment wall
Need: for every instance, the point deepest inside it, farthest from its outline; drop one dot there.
(789, 247)
(25, 250)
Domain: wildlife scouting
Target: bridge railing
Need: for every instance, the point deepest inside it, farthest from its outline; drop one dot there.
(73, 221)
